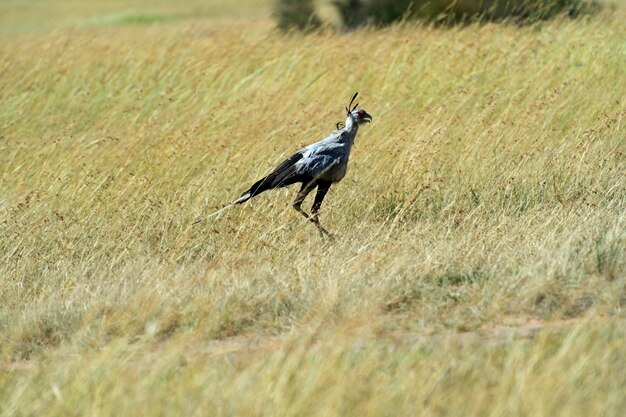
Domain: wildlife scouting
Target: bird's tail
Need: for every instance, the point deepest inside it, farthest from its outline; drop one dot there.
(244, 197)
(201, 219)
(256, 189)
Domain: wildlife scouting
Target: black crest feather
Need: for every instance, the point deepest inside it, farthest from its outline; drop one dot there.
(348, 110)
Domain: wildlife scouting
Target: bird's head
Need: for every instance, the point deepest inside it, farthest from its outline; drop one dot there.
(359, 116)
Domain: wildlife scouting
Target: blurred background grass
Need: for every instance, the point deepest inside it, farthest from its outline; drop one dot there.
(23, 16)
(20, 16)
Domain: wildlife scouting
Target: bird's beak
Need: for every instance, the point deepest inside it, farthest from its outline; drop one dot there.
(368, 118)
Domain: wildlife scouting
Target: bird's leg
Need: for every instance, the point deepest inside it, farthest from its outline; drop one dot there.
(297, 203)
(322, 189)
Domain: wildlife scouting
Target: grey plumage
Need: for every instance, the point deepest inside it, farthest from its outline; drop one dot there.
(317, 166)
(326, 160)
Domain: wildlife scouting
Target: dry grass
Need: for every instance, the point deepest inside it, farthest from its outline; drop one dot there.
(489, 191)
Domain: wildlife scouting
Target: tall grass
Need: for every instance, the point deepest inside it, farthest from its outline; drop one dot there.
(488, 192)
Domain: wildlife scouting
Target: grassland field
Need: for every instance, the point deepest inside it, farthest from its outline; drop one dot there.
(479, 267)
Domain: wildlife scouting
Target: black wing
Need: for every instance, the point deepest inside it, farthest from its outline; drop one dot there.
(284, 174)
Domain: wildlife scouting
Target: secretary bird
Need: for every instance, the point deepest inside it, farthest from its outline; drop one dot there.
(319, 165)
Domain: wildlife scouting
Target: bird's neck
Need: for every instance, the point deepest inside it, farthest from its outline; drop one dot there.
(351, 125)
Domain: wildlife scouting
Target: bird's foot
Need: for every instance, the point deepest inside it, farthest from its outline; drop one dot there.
(316, 221)
(313, 218)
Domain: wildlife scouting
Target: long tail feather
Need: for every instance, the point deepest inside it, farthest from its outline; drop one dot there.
(200, 220)
(244, 197)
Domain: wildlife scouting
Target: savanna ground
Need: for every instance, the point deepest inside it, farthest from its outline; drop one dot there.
(479, 266)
